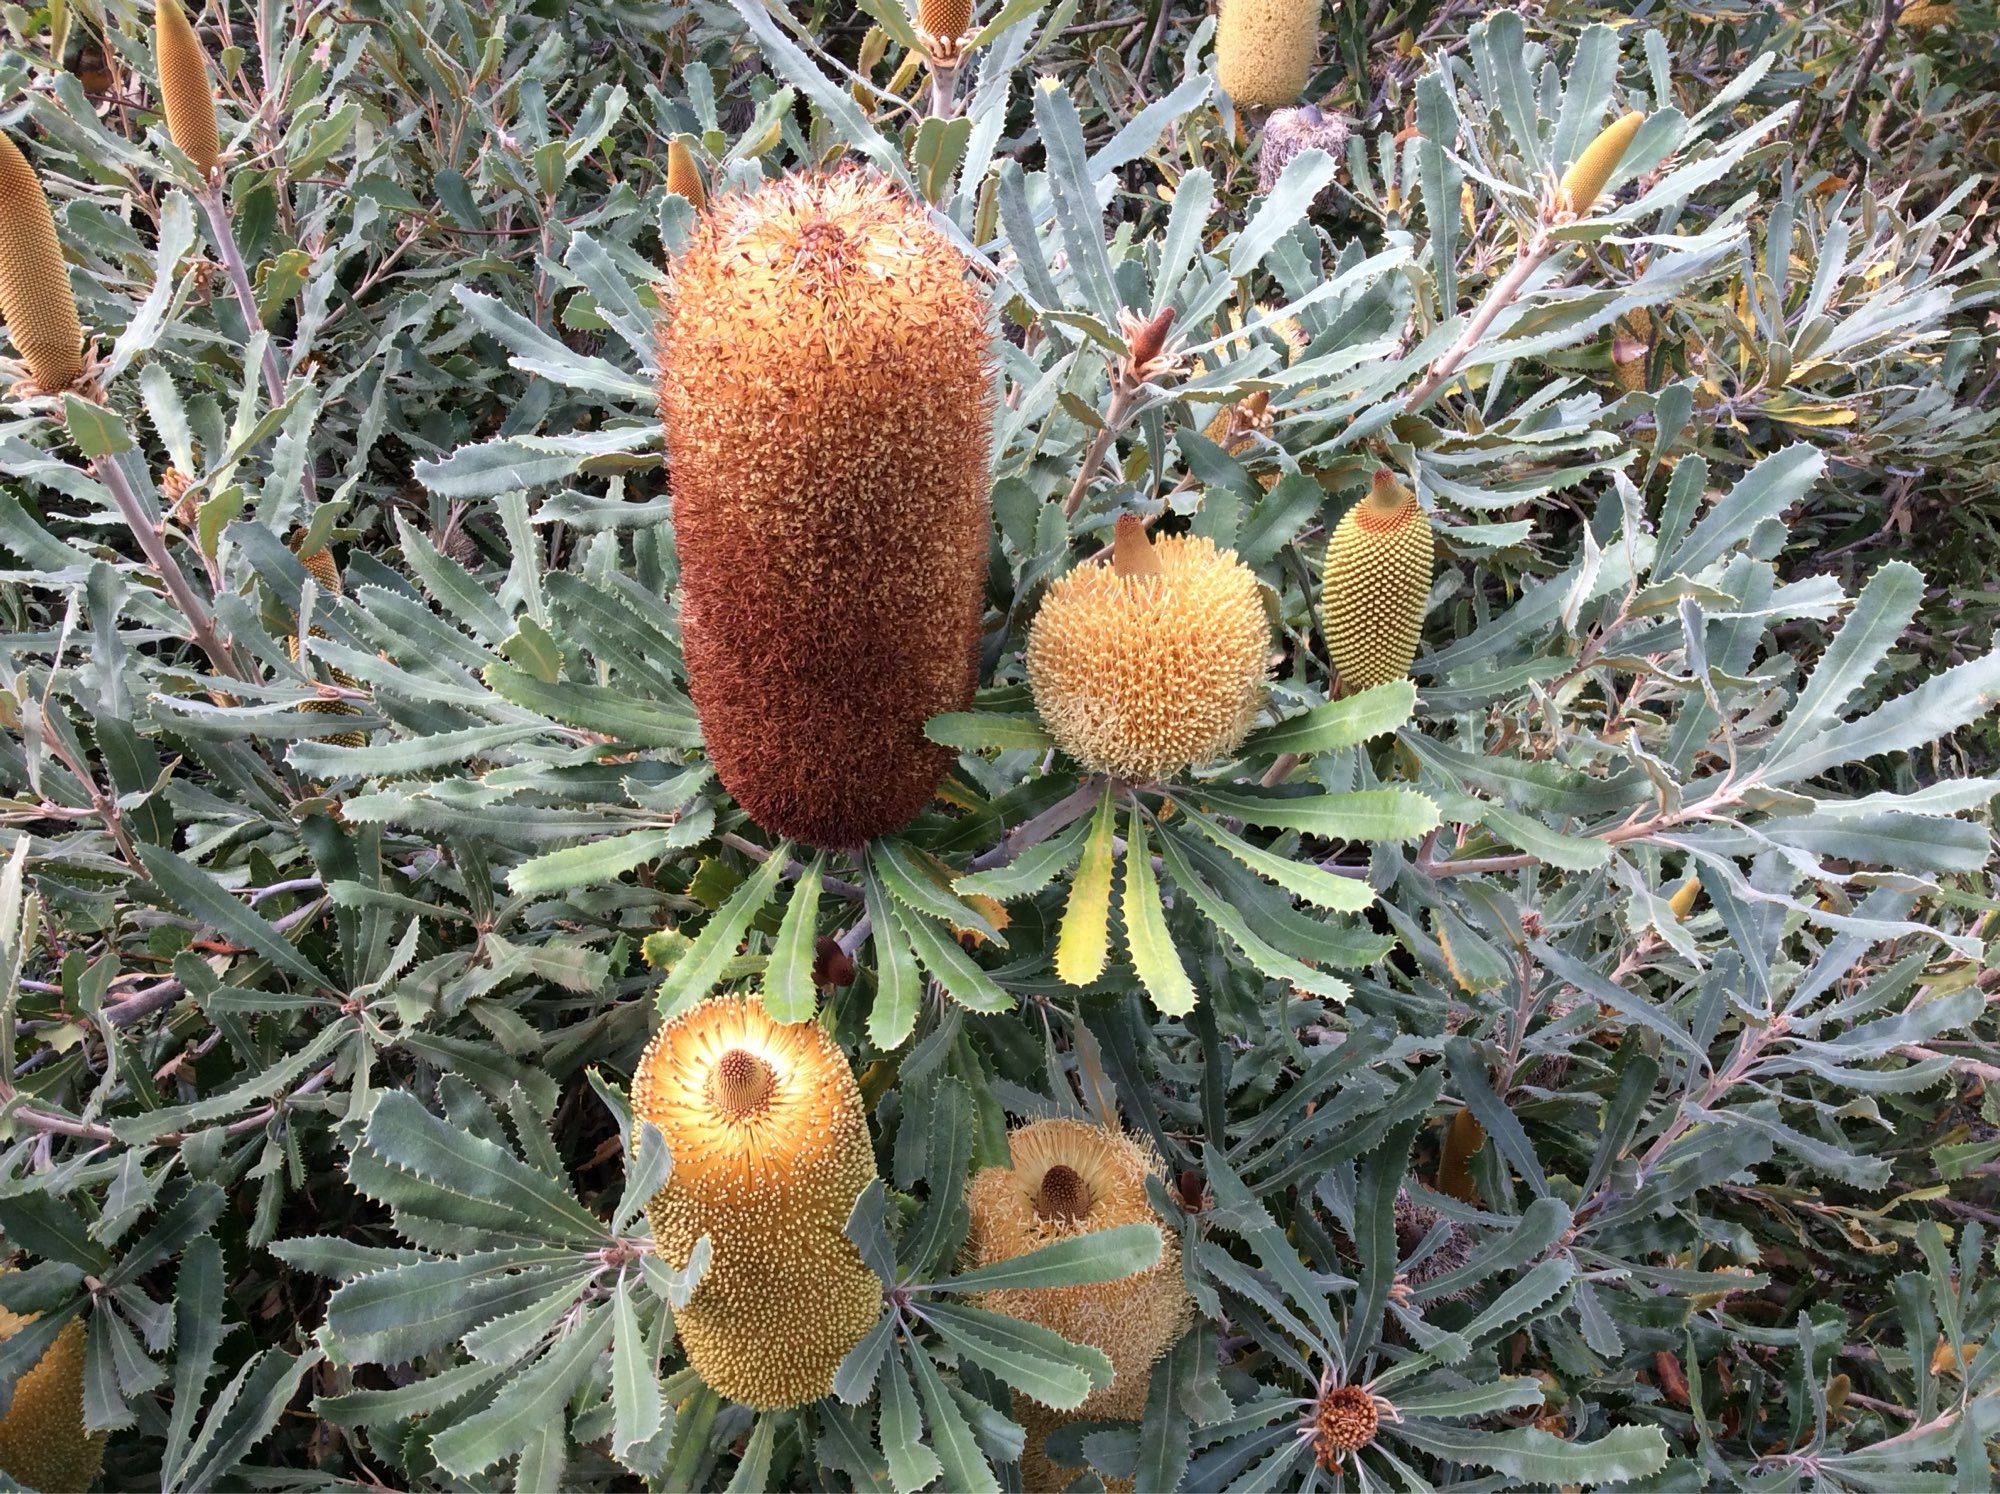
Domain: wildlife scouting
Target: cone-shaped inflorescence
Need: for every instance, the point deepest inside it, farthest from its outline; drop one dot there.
(187, 97)
(43, 1444)
(825, 384)
(35, 298)
(684, 176)
(1154, 662)
(944, 18)
(1264, 50)
(1584, 182)
(770, 1149)
(1378, 579)
(1070, 1178)
(1289, 131)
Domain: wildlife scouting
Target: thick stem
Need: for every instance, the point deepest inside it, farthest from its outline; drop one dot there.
(1056, 817)
(147, 533)
(1122, 398)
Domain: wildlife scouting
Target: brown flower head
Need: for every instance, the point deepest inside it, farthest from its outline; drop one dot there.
(826, 392)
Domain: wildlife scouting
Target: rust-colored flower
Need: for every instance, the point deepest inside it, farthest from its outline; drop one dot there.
(826, 389)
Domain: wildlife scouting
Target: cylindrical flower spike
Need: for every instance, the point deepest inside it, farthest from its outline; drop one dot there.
(1378, 580)
(35, 297)
(186, 95)
(43, 1443)
(1155, 662)
(1067, 1178)
(825, 384)
(770, 1149)
(684, 176)
(1264, 50)
(948, 19)
(1584, 182)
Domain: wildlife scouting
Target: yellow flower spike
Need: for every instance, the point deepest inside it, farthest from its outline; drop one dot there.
(1682, 902)
(1068, 1178)
(770, 1149)
(43, 1443)
(1378, 581)
(948, 19)
(186, 96)
(1155, 662)
(35, 297)
(1584, 182)
(1264, 50)
(684, 176)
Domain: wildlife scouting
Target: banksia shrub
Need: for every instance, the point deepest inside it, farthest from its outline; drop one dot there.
(1264, 50)
(1378, 580)
(1068, 1178)
(43, 1443)
(684, 176)
(1154, 662)
(35, 296)
(770, 1149)
(187, 97)
(1585, 180)
(825, 387)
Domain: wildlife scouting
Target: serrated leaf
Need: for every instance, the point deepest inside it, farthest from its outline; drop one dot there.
(789, 992)
(696, 971)
(1154, 958)
(1104, 1255)
(1084, 944)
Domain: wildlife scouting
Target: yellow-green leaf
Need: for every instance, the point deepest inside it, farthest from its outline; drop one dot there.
(1085, 941)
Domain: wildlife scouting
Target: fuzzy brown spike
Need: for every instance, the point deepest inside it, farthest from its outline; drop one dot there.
(1585, 180)
(826, 390)
(684, 176)
(35, 297)
(187, 97)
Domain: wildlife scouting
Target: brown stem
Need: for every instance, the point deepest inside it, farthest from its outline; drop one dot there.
(1123, 397)
(1056, 817)
(1502, 296)
(147, 533)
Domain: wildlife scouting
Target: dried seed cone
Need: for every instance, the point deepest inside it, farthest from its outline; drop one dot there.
(186, 95)
(1378, 580)
(35, 297)
(684, 176)
(42, 1440)
(1584, 182)
(826, 390)
(945, 18)
(1345, 1421)
(770, 1149)
(1155, 662)
(1072, 1178)
(1264, 50)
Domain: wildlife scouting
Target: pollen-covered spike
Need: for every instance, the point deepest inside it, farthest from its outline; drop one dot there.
(320, 566)
(684, 176)
(187, 97)
(770, 1149)
(1583, 183)
(826, 388)
(1067, 1178)
(43, 1444)
(945, 18)
(1264, 50)
(1378, 580)
(1142, 675)
(35, 297)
